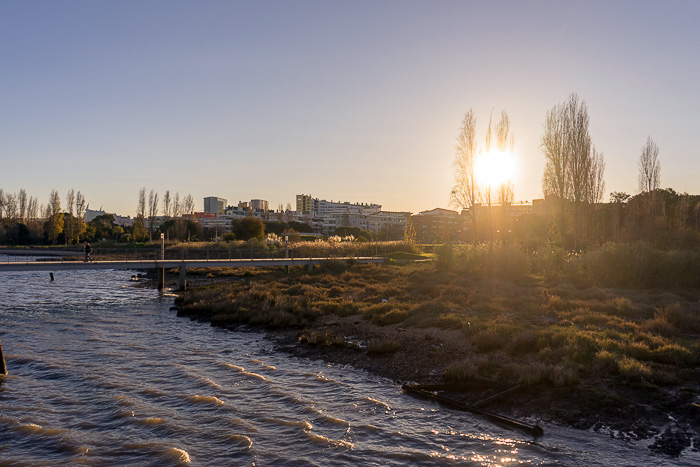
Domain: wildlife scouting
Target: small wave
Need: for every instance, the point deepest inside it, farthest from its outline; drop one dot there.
(30, 428)
(233, 367)
(178, 455)
(336, 443)
(205, 400)
(254, 375)
(209, 382)
(242, 440)
(379, 403)
(333, 420)
(323, 379)
(303, 424)
(371, 428)
(34, 429)
(152, 421)
(262, 364)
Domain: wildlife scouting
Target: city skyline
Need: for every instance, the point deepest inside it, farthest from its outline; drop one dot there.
(356, 102)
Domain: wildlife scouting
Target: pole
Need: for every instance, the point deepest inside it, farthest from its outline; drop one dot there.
(183, 276)
(161, 270)
(3, 367)
(286, 252)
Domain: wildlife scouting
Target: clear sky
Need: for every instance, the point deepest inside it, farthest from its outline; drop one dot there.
(346, 100)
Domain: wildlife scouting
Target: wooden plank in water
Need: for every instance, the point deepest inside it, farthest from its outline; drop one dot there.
(534, 430)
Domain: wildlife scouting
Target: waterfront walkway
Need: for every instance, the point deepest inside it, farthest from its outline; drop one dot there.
(161, 261)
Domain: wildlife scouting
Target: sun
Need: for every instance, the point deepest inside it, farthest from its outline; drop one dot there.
(494, 168)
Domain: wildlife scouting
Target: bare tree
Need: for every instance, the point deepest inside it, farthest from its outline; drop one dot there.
(152, 212)
(167, 204)
(141, 209)
(188, 205)
(573, 170)
(465, 191)
(22, 203)
(505, 142)
(649, 167)
(177, 206)
(32, 208)
(11, 211)
(555, 181)
(2, 203)
(139, 231)
(596, 187)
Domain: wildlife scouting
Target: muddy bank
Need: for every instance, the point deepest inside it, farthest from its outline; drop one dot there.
(341, 318)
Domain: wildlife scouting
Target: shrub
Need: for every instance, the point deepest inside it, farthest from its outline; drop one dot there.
(524, 342)
(467, 368)
(632, 369)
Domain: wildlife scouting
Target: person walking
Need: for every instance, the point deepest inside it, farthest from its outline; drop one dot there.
(88, 250)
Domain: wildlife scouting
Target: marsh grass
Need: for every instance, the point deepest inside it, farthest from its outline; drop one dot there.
(539, 318)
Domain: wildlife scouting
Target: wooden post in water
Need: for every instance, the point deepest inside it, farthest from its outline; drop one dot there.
(161, 270)
(3, 367)
(183, 276)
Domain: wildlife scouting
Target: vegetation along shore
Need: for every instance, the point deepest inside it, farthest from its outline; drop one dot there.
(608, 339)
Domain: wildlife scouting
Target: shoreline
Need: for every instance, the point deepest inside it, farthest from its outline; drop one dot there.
(409, 354)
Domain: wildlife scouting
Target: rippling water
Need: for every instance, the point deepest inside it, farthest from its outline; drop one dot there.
(103, 373)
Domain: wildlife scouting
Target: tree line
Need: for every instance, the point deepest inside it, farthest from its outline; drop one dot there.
(573, 185)
(23, 221)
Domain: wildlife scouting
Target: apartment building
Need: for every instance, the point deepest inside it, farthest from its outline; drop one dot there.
(214, 205)
(437, 225)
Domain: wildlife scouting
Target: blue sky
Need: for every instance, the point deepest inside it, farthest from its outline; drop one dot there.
(352, 101)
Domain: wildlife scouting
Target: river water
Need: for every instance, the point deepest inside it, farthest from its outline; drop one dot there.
(102, 372)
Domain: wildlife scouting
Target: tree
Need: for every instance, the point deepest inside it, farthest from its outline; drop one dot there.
(22, 202)
(167, 205)
(70, 201)
(152, 212)
(32, 208)
(177, 207)
(79, 219)
(465, 193)
(11, 211)
(248, 227)
(54, 217)
(188, 205)
(139, 231)
(505, 141)
(574, 169)
(649, 167)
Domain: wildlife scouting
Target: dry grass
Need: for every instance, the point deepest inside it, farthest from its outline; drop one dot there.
(521, 324)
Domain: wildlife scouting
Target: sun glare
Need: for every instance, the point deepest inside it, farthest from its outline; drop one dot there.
(494, 168)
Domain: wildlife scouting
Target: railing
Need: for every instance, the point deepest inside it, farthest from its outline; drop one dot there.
(192, 254)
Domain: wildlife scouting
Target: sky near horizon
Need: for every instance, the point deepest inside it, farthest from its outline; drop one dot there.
(356, 101)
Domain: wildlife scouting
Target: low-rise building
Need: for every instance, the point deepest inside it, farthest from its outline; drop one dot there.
(438, 225)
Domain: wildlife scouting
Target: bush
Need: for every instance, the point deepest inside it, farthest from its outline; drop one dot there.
(632, 369)
(482, 260)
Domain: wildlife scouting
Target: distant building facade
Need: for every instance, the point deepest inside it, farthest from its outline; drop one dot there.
(305, 204)
(438, 225)
(214, 205)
